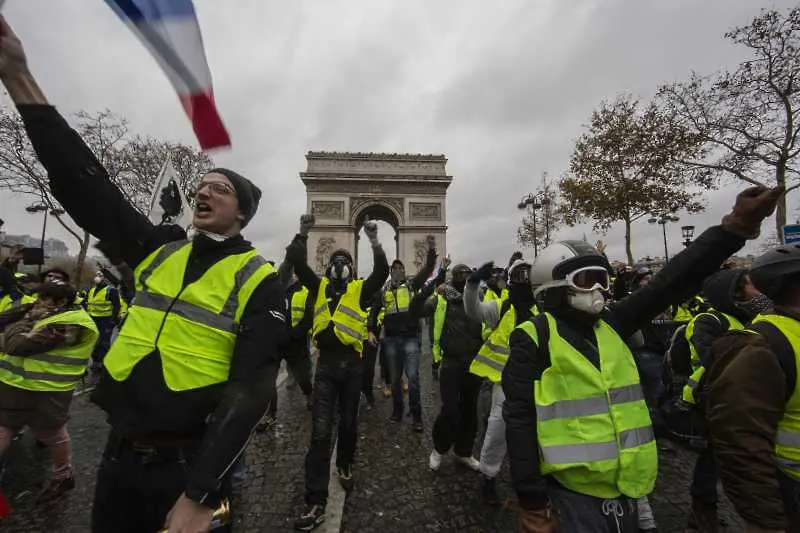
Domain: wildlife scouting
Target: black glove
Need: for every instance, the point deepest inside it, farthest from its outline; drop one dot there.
(483, 273)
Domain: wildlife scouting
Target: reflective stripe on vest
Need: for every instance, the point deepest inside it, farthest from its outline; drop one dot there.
(439, 317)
(594, 428)
(298, 305)
(493, 355)
(486, 331)
(97, 303)
(698, 370)
(60, 369)
(192, 327)
(349, 320)
(787, 441)
(396, 300)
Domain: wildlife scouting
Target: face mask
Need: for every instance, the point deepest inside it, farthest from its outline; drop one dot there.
(591, 302)
(340, 272)
(755, 305)
(98, 280)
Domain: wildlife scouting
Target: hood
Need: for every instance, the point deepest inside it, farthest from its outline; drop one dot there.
(719, 290)
(451, 293)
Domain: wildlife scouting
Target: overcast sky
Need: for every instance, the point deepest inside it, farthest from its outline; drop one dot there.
(502, 89)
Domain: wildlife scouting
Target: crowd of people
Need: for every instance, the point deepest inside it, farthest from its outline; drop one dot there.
(186, 351)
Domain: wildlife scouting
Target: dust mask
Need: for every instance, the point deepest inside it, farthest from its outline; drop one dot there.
(591, 302)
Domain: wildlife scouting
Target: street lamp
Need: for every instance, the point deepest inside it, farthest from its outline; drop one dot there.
(531, 200)
(663, 219)
(687, 232)
(42, 208)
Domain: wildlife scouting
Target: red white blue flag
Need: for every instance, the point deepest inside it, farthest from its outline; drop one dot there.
(169, 30)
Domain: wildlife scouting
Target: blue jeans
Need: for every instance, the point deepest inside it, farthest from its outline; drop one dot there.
(402, 353)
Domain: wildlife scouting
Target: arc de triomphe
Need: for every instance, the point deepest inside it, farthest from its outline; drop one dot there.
(408, 191)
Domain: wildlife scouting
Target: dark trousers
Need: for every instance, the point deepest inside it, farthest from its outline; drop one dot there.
(790, 488)
(136, 488)
(386, 376)
(335, 381)
(458, 420)
(368, 357)
(298, 364)
(105, 327)
(706, 475)
(579, 513)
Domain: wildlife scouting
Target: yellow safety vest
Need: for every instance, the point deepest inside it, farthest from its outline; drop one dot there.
(349, 320)
(787, 441)
(594, 428)
(97, 303)
(490, 296)
(7, 303)
(60, 369)
(298, 305)
(396, 300)
(698, 370)
(493, 355)
(438, 326)
(193, 328)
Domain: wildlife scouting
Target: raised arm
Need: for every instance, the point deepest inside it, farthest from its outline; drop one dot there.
(486, 312)
(684, 274)
(77, 179)
(380, 266)
(430, 263)
(297, 255)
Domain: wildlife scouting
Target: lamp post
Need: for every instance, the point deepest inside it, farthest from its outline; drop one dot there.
(531, 200)
(42, 208)
(663, 219)
(687, 232)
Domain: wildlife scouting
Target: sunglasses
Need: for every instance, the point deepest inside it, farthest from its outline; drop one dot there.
(216, 187)
(588, 279)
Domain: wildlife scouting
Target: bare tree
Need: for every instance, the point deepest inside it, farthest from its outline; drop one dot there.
(749, 118)
(544, 216)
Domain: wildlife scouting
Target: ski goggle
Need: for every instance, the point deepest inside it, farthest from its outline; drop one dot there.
(520, 274)
(588, 279)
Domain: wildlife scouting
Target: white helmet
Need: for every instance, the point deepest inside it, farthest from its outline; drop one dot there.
(556, 265)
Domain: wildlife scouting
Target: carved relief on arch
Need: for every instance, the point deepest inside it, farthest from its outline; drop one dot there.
(325, 209)
(323, 252)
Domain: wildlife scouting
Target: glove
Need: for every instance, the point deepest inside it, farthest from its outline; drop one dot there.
(483, 273)
(296, 252)
(306, 223)
(538, 520)
(752, 206)
(371, 230)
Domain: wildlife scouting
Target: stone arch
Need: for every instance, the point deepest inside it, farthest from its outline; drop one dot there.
(408, 191)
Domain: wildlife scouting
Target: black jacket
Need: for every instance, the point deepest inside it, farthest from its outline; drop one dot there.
(403, 324)
(679, 279)
(222, 416)
(327, 342)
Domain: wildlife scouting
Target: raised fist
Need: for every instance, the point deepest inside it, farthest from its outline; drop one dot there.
(446, 262)
(306, 223)
(430, 240)
(371, 230)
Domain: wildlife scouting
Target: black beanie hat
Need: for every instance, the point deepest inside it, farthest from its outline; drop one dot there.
(247, 193)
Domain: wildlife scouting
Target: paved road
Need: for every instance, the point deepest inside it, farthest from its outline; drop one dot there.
(395, 491)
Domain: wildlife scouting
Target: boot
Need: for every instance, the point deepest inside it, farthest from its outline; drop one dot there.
(52, 489)
(704, 517)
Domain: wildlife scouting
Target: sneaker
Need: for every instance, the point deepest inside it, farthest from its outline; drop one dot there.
(468, 462)
(405, 386)
(346, 477)
(52, 489)
(396, 417)
(313, 516)
(418, 427)
(489, 491)
(435, 461)
(387, 391)
(370, 399)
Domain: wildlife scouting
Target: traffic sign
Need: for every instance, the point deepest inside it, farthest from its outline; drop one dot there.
(791, 233)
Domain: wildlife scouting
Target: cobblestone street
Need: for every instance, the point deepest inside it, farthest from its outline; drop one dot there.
(395, 491)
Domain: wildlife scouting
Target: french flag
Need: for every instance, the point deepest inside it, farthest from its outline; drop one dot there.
(169, 29)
